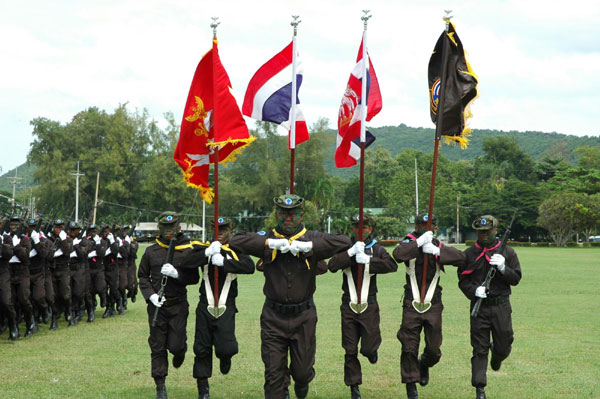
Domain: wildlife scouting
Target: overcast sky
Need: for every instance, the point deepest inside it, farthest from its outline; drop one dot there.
(538, 64)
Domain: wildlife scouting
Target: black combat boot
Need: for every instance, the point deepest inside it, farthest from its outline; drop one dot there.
(107, 311)
(494, 362)
(91, 314)
(31, 326)
(161, 391)
(373, 358)
(424, 371)
(120, 309)
(203, 391)
(301, 390)
(125, 303)
(70, 317)
(411, 390)
(46, 313)
(3, 325)
(54, 323)
(479, 393)
(225, 365)
(133, 299)
(354, 392)
(13, 330)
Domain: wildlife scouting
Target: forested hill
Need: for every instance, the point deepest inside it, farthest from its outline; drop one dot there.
(537, 144)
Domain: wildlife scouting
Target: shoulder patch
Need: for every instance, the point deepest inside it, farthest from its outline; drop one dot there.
(261, 233)
(406, 241)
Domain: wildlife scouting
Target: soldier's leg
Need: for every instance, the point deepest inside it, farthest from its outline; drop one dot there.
(274, 352)
(177, 335)
(433, 335)
(50, 297)
(502, 333)
(480, 341)
(24, 297)
(350, 337)
(370, 334)
(122, 288)
(132, 282)
(7, 304)
(409, 335)
(157, 341)
(226, 345)
(303, 345)
(202, 344)
(99, 285)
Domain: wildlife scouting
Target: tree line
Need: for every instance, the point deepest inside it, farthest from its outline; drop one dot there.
(557, 195)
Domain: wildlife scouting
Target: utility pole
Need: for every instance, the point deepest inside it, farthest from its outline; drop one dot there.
(96, 197)
(416, 189)
(457, 218)
(77, 175)
(14, 183)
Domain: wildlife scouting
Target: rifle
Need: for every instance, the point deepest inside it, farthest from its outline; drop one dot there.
(163, 282)
(492, 270)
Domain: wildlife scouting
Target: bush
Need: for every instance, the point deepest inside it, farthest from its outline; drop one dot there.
(519, 243)
(585, 244)
(390, 243)
(469, 243)
(571, 244)
(595, 244)
(543, 244)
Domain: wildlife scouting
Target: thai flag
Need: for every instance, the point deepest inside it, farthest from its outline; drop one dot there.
(350, 114)
(269, 94)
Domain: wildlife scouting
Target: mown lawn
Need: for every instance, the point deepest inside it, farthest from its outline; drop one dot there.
(556, 353)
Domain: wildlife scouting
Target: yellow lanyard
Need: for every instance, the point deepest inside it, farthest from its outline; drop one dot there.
(192, 243)
(292, 238)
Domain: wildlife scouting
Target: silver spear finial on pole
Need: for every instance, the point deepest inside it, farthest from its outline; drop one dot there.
(365, 17)
(295, 23)
(214, 25)
(447, 18)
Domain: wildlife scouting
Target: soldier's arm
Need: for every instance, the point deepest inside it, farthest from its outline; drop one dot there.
(244, 264)
(452, 256)
(252, 244)
(382, 261)
(194, 258)
(144, 277)
(406, 250)
(512, 271)
(327, 245)
(340, 261)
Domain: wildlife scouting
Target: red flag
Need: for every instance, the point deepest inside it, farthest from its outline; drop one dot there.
(349, 117)
(211, 118)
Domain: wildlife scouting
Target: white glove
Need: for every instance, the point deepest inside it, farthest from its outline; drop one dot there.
(480, 292)
(62, 235)
(168, 270)
(498, 261)
(300, 246)
(279, 243)
(213, 248)
(76, 241)
(362, 258)
(120, 241)
(429, 248)
(425, 238)
(97, 240)
(111, 238)
(217, 260)
(35, 237)
(156, 301)
(359, 246)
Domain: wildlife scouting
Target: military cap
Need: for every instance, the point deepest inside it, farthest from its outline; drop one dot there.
(15, 218)
(289, 201)
(222, 221)
(168, 217)
(367, 220)
(92, 227)
(59, 222)
(485, 222)
(74, 226)
(104, 227)
(32, 222)
(125, 227)
(424, 217)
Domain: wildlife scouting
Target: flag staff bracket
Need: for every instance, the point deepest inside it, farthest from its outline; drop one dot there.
(214, 25)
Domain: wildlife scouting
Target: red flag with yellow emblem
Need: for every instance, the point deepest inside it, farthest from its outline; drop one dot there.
(211, 118)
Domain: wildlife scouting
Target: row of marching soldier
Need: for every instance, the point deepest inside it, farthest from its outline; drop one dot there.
(290, 258)
(63, 271)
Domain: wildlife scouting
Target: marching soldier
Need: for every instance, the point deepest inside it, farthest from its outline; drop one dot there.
(169, 331)
(37, 269)
(288, 321)
(494, 316)
(122, 266)
(215, 322)
(111, 271)
(96, 256)
(62, 246)
(132, 283)
(416, 316)
(360, 320)
(6, 302)
(77, 258)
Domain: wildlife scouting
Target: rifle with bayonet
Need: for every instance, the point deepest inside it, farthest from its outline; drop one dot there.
(163, 282)
(492, 270)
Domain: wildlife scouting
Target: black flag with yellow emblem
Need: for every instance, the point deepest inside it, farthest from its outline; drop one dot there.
(456, 88)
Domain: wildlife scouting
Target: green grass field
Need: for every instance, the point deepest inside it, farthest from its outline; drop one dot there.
(556, 353)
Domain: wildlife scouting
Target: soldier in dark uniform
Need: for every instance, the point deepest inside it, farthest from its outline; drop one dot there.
(111, 270)
(77, 260)
(6, 302)
(290, 255)
(62, 246)
(494, 316)
(169, 332)
(122, 264)
(96, 256)
(37, 270)
(215, 322)
(20, 278)
(48, 286)
(132, 283)
(417, 316)
(360, 320)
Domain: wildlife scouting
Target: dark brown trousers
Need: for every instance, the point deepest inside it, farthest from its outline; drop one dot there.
(283, 333)
(111, 273)
(98, 282)
(38, 289)
(21, 285)
(495, 320)
(410, 336)
(132, 283)
(61, 281)
(6, 294)
(169, 333)
(362, 327)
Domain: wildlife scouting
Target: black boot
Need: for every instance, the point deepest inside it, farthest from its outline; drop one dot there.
(301, 390)
(3, 326)
(54, 324)
(225, 365)
(13, 330)
(91, 315)
(494, 362)
(31, 327)
(133, 299)
(373, 358)
(203, 391)
(479, 393)
(46, 315)
(120, 309)
(161, 391)
(354, 392)
(107, 311)
(424, 371)
(124, 303)
(411, 390)
(69, 316)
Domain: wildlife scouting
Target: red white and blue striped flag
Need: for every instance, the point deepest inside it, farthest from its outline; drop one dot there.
(269, 93)
(350, 117)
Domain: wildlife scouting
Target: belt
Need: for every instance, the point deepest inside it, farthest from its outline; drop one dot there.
(370, 299)
(173, 301)
(436, 298)
(289, 308)
(497, 300)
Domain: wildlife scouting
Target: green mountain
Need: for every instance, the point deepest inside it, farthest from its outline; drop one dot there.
(24, 174)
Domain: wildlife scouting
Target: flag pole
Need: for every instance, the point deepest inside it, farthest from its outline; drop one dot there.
(292, 138)
(214, 26)
(438, 134)
(363, 116)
